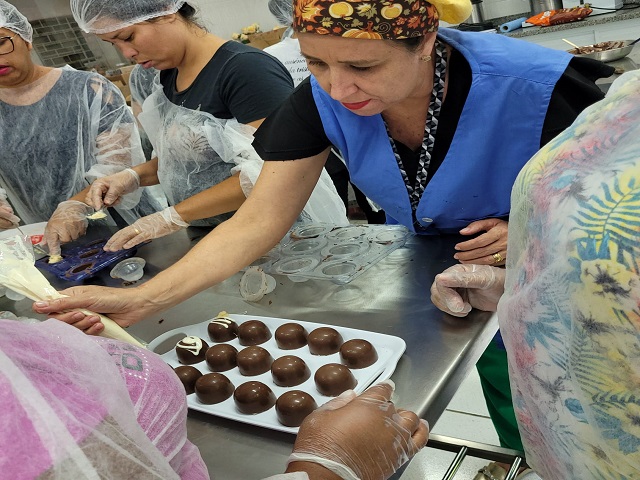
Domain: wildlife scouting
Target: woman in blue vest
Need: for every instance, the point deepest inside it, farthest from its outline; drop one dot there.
(434, 127)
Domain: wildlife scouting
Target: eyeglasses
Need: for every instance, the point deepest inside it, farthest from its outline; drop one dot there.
(6, 45)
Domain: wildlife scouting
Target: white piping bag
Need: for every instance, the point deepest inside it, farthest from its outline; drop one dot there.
(18, 272)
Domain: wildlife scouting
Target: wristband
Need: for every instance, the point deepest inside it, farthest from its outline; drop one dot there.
(342, 471)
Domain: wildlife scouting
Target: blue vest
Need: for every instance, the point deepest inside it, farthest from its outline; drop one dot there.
(498, 132)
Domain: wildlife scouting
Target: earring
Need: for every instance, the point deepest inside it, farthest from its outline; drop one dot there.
(425, 58)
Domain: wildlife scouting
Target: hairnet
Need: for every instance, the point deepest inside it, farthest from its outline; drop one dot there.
(12, 19)
(283, 11)
(80, 407)
(103, 16)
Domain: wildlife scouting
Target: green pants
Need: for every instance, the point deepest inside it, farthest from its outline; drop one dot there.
(494, 377)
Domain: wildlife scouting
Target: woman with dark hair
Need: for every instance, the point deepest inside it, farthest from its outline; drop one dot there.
(211, 96)
(426, 120)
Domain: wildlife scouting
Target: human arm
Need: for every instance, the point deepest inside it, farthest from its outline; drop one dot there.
(265, 217)
(462, 287)
(7, 218)
(487, 248)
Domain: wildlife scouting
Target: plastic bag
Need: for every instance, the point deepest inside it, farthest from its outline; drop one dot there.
(556, 17)
(74, 410)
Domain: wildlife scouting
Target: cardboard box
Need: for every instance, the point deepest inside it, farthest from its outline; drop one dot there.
(266, 39)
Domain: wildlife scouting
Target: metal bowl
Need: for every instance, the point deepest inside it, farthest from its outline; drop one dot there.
(608, 55)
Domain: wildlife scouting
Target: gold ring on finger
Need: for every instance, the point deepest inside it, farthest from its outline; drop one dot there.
(497, 258)
(136, 230)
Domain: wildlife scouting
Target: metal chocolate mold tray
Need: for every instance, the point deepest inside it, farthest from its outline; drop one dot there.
(388, 347)
(327, 252)
(84, 261)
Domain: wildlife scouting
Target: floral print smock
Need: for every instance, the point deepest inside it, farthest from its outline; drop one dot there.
(570, 316)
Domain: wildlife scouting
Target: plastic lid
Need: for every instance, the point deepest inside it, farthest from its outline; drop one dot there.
(129, 269)
(255, 284)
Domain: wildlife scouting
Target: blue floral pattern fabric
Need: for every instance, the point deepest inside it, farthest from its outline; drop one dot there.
(570, 316)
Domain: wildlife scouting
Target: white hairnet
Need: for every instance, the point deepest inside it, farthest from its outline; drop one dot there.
(81, 407)
(12, 19)
(60, 133)
(103, 16)
(283, 11)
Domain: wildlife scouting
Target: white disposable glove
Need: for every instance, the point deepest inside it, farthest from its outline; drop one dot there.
(108, 191)
(68, 222)
(362, 437)
(7, 218)
(152, 226)
(462, 287)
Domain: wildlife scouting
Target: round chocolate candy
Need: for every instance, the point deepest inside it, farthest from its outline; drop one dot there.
(213, 388)
(188, 376)
(358, 353)
(333, 379)
(290, 336)
(254, 360)
(191, 350)
(254, 397)
(222, 329)
(293, 407)
(289, 371)
(253, 332)
(222, 357)
(324, 341)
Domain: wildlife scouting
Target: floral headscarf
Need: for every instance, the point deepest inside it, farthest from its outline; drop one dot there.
(376, 19)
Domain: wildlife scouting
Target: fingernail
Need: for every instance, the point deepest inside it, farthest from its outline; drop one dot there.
(78, 316)
(346, 393)
(41, 304)
(455, 256)
(389, 382)
(425, 423)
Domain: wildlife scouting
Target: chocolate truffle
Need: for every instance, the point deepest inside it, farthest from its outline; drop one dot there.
(222, 357)
(213, 388)
(188, 376)
(358, 353)
(291, 336)
(289, 371)
(253, 332)
(254, 360)
(254, 397)
(222, 329)
(324, 341)
(293, 407)
(333, 379)
(191, 350)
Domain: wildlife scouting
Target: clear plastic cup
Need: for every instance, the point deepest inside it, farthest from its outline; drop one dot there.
(129, 269)
(255, 284)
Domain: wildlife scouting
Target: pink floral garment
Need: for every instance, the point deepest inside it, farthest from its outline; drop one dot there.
(570, 316)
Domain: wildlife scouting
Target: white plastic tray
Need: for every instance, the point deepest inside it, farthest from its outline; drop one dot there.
(389, 349)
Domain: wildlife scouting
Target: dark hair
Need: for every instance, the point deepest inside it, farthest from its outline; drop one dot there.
(189, 15)
(412, 43)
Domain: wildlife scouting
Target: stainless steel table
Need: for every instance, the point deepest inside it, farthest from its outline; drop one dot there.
(392, 298)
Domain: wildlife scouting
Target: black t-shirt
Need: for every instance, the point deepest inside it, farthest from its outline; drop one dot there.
(295, 130)
(239, 82)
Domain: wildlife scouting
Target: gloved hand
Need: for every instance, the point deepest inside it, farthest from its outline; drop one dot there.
(67, 223)
(363, 437)
(152, 226)
(107, 191)
(462, 287)
(7, 217)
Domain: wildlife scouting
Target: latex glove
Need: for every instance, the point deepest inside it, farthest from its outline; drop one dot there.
(363, 437)
(107, 191)
(7, 218)
(490, 248)
(68, 222)
(462, 287)
(152, 226)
